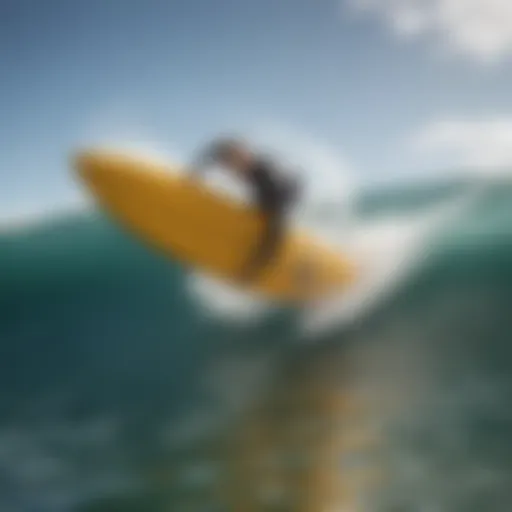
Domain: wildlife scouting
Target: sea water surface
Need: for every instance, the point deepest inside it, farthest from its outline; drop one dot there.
(122, 387)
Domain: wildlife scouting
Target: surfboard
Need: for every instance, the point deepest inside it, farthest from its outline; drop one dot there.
(206, 230)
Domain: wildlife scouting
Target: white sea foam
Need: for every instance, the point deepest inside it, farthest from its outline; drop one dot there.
(387, 249)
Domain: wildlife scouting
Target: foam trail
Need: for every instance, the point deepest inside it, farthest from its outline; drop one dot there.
(220, 300)
(388, 250)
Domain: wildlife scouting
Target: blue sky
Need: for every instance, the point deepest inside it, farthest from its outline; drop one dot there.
(394, 89)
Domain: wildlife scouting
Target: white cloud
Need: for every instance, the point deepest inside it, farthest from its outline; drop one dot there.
(480, 29)
(480, 143)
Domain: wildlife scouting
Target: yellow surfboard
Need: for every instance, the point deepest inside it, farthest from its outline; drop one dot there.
(204, 229)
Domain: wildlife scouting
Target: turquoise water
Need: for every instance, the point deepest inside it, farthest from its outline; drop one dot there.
(119, 393)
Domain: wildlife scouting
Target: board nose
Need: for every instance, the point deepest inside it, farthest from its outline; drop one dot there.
(94, 168)
(85, 164)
